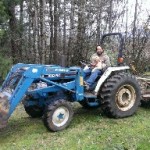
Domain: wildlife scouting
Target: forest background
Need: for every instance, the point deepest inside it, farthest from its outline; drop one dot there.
(67, 31)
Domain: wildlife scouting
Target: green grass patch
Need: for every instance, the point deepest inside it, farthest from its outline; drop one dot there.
(89, 130)
(147, 73)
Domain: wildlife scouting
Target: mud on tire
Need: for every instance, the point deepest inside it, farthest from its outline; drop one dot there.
(120, 95)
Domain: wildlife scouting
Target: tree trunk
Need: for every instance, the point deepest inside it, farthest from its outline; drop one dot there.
(13, 30)
(51, 31)
(134, 27)
(42, 31)
(110, 16)
(126, 20)
(80, 32)
(99, 21)
(21, 31)
(64, 29)
(64, 36)
(35, 32)
(30, 45)
(71, 34)
(55, 53)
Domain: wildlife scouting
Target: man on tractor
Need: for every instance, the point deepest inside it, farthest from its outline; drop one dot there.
(99, 62)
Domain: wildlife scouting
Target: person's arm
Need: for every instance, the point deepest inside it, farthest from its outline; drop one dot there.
(94, 60)
(98, 66)
(106, 62)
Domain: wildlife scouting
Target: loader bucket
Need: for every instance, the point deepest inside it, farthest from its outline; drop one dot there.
(4, 109)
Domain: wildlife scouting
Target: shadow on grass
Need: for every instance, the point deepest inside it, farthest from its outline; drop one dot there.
(145, 104)
(20, 127)
(82, 115)
(89, 112)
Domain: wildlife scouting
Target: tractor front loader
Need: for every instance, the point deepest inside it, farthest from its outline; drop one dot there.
(47, 91)
(39, 86)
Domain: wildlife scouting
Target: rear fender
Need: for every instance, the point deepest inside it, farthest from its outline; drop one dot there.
(106, 74)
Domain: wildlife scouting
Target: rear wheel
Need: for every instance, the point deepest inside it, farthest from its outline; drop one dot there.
(58, 115)
(120, 95)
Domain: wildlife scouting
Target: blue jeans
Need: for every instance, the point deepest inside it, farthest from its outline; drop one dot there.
(93, 76)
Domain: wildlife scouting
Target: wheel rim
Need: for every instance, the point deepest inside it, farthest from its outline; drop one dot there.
(60, 116)
(125, 97)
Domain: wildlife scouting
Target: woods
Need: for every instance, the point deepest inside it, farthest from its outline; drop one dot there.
(66, 31)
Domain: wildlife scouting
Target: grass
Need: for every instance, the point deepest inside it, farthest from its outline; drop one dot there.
(89, 130)
(147, 73)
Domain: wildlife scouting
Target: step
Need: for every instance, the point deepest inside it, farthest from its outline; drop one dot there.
(89, 95)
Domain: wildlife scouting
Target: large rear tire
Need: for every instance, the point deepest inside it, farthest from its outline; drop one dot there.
(120, 95)
(58, 115)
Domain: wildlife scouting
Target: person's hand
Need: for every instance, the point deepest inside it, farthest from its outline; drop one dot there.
(92, 64)
(99, 65)
(86, 67)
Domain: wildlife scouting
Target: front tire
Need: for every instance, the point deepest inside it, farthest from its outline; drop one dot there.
(120, 96)
(58, 115)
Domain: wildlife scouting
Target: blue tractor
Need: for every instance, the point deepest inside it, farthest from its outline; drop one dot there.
(47, 91)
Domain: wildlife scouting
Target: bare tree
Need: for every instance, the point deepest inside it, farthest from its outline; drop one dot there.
(42, 31)
(35, 31)
(64, 29)
(71, 33)
(51, 30)
(56, 19)
(110, 15)
(13, 29)
(99, 19)
(134, 25)
(21, 30)
(80, 43)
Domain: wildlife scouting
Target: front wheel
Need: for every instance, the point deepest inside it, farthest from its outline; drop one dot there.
(120, 95)
(58, 115)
